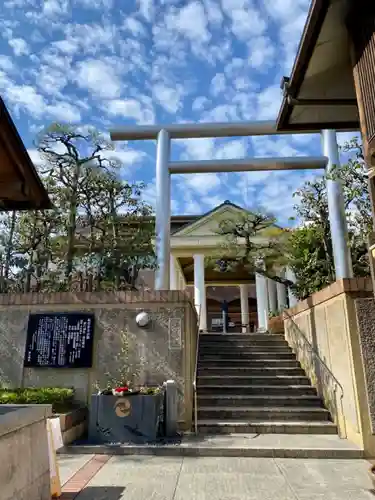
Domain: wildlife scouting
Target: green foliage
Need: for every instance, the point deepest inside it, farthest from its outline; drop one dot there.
(56, 396)
(247, 238)
(98, 234)
(309, 247)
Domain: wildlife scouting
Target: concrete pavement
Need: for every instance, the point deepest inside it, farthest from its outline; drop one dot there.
(88, 477)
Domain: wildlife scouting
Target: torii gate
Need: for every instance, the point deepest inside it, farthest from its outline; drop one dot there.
(165, 168)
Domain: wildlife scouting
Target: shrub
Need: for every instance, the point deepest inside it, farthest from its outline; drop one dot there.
(58, 397)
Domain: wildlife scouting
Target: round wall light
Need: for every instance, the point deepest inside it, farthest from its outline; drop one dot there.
(142, 319)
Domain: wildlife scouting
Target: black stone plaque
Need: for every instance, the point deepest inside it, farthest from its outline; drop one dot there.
(60, 340)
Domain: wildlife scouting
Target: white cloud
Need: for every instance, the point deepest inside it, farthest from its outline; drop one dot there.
(246, 20)
(269, 102)
(99, 77)
(6, 63)
(51, 80)
(169, 98)
(127, 158)
(130, 108)
(95, 4)
(190, 21)
(218, 84)
(261, 53)
(196, 149)
(214, 12)
(25, 97)
(231, 149)
(19, 46)
(64, 112)
(146, 9)
(134, 26)
(52, 8)
(202, 184)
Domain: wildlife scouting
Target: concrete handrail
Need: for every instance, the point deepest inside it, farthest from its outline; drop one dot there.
(327, 370)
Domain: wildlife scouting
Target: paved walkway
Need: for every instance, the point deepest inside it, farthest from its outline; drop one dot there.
(100, 477)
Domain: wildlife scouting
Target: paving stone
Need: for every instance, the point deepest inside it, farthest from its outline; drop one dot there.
(70, 465)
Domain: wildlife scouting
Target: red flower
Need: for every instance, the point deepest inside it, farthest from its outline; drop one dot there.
(122, 389)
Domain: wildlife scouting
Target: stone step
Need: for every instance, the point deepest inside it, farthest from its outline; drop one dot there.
(249, 370)
(316, 446)
(255, 363)
(242, 347)
(245, 427)
(259, 400)
(250, 355)
(220, 389)
(260, 414)
(261, 380)
(230, 337)
(244, 343)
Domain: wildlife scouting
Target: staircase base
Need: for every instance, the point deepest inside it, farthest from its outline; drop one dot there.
(238, 445)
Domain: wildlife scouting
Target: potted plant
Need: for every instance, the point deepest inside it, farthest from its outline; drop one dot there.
(275, 322)
(125, 411)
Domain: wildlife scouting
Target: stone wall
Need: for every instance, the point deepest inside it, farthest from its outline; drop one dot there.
(25, 469)
(332, 333)
(164, 350)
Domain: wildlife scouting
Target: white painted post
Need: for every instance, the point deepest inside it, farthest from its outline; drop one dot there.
(244, 294)
(200, 291)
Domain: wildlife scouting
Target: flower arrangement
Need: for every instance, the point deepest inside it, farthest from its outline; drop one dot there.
(126, 390)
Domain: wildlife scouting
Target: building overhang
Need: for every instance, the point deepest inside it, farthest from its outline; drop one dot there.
(320, 92)
(20, 185)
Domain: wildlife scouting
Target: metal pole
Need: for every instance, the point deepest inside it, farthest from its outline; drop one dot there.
(336, 208)
(163, 211)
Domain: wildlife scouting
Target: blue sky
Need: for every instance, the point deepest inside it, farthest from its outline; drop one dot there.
(108, 63)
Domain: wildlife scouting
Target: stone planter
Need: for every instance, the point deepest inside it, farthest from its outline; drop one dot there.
(125, 419)
(276, 324)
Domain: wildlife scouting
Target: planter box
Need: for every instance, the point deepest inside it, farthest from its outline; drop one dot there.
(128, 419)
(276, 324)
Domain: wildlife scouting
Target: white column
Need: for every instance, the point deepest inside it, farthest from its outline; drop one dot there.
(245, 320)
(200, 291)
(272, 295)
(162, 212)
(336, 210)
(291, 277)
(262, 301)
(282, 299)
(174, 278)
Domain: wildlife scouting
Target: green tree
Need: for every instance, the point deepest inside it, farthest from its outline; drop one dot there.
(251, 241)
(98, 234)
(309, 248)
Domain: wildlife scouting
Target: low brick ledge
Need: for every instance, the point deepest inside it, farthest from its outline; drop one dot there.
(356, 286)
(97, 298)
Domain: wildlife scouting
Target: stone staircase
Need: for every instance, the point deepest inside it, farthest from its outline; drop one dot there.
(252, 383)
